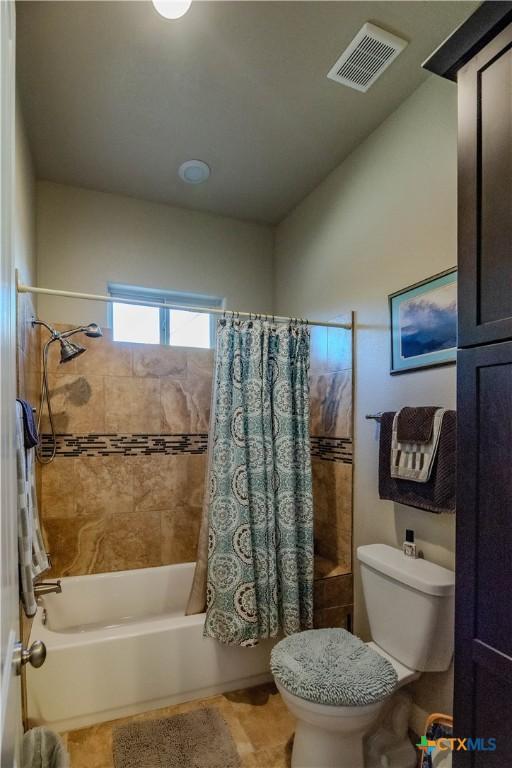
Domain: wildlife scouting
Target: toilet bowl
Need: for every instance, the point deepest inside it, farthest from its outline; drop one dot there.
(410, 606)
(330, 736)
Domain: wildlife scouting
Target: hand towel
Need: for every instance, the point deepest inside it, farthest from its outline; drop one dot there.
(438, 493)
(415, 425)
(414, 460)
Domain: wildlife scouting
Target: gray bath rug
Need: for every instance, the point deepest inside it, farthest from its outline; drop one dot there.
(199, 739)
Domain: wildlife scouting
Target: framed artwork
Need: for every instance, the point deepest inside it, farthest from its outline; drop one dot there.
(424, 323)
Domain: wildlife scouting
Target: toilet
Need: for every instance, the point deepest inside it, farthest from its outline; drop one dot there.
(410, 604)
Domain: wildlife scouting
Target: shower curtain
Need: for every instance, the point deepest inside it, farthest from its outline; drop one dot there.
(258, 522)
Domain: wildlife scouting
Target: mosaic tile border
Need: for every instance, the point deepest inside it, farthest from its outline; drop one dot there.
(138, 444)
(171, 444)
(332, 449)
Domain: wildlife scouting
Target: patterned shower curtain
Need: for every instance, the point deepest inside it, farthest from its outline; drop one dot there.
(260, 508)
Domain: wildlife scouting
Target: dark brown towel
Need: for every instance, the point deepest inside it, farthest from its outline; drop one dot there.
(415, 425)
(438, 493)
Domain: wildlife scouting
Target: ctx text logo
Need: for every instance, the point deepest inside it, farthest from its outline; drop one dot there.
(456, 745)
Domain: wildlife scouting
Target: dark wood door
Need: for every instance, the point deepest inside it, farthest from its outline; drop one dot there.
(479, 57)
(483, 658)
(485, 194)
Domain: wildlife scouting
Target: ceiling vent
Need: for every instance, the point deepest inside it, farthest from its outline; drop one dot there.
(371, 51)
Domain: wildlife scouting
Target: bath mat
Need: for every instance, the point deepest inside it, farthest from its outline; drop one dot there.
(199, 739)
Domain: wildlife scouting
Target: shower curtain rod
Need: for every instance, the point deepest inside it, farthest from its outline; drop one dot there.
(204, 310)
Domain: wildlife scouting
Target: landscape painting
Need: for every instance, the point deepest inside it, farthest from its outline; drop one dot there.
(424, 323)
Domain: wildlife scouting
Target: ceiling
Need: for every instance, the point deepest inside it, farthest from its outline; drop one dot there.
(115, 97)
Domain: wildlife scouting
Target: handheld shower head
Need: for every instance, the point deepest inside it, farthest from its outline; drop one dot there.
(69, 350)
(93, 331)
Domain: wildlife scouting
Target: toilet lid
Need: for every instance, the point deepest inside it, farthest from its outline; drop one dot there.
(332, 666)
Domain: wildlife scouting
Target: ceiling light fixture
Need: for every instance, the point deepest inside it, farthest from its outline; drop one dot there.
(172, 9)
(194, 171)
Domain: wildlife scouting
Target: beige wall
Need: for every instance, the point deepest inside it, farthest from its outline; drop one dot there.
(87, 238)
(382, 220)
(24, 214)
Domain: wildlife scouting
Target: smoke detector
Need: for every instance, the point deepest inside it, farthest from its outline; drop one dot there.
(371, 52)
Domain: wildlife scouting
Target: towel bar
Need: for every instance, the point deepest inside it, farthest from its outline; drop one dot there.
(374, 416)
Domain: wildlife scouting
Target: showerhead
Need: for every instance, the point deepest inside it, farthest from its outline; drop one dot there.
(69, 350)
(93, 331)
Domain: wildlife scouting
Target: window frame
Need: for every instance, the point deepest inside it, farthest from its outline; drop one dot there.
(175, 299)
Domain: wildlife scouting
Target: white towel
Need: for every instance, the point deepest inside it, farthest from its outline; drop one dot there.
(43, 748)
(33, 558)
(414, 461)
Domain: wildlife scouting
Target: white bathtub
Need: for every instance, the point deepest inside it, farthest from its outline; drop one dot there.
(119, 644)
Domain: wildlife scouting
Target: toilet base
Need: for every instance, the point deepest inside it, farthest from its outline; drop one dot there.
(329, 736)
(375, 736)
(316, 747)
(387, 745)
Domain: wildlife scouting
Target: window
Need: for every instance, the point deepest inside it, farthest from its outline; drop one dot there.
(162, 325)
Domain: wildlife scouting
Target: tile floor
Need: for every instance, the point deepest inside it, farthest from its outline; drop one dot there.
(260, 724)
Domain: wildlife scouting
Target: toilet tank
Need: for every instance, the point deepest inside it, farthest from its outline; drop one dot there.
(410, 605)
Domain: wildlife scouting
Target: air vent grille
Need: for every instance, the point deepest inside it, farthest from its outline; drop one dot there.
(371, 51)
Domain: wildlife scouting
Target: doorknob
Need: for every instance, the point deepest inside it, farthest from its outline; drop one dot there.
(35, 655)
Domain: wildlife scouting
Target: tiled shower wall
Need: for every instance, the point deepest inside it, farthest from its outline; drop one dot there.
(331, 446)
(28, 362)
(125, 489)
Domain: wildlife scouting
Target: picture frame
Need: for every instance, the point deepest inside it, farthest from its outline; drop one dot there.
(423, 322)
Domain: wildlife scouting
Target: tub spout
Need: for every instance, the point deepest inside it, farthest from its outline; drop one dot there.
(47, 588)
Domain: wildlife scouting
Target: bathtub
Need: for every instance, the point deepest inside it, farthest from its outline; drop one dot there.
(120, 643)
